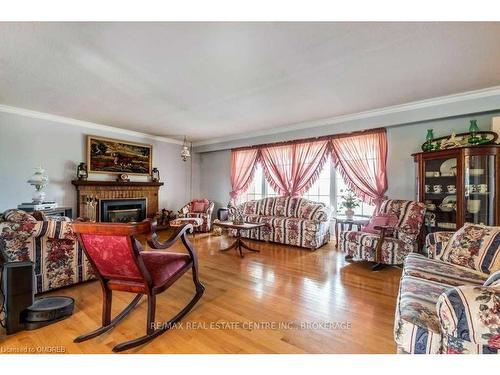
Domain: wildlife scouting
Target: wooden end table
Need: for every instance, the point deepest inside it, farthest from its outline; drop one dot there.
(343, 221)
(239, 244)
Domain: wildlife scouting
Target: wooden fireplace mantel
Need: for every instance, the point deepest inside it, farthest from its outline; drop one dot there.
(115, 183)
(117, 190)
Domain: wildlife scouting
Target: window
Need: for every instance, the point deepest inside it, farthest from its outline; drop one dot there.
(328, 189)
(256, 188)
(362, 210)
(321, 189)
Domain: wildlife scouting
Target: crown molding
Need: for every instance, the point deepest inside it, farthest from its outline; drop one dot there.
(411, 106)
(85, 124)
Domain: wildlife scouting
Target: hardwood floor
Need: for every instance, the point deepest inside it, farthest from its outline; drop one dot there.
(350, 309)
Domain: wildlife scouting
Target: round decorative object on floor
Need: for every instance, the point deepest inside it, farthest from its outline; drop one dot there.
(48, 310)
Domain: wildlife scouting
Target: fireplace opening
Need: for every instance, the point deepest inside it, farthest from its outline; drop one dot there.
(122, 210)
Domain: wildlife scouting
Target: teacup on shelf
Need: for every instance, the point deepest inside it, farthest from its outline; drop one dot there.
(451, 189)
(437, 188)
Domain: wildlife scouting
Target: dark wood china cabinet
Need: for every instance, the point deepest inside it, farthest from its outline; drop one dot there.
(459, 186)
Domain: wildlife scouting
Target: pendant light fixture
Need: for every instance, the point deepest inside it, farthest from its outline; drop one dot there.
(185, 151)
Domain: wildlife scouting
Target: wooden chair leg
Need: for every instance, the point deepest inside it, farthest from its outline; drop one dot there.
(107, 299)
(378, 253)
(151, 314)
(112, 323)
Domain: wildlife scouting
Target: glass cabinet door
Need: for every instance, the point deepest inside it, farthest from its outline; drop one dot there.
(440, 195)
(480, 191)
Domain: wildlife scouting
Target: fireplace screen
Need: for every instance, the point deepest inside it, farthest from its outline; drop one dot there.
(123, 210)
(124, 216)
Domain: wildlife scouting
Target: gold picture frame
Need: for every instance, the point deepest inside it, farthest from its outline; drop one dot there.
(113, 156)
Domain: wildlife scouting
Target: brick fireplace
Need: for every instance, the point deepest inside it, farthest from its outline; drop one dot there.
(117, 201)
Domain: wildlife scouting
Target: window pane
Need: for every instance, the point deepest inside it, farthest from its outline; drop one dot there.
(362, 210)
(324, 187)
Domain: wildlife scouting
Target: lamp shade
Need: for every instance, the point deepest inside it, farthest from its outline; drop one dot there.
(39, 178)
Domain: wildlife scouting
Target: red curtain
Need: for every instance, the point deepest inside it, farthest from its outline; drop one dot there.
(243, 164)
(291, 169)
(362, 159)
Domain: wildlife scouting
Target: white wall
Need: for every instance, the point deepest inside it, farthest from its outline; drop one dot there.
(26, 143)
(402, 140)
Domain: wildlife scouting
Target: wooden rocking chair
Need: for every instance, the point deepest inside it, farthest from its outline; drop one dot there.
(121, 264)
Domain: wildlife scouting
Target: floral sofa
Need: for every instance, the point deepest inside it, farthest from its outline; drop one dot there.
(449, 301)
(290, 220)
(50, 245)
(361, 245)
(201, 208)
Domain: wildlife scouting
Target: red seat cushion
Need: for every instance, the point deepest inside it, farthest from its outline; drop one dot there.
(162, 265)
(380, 220)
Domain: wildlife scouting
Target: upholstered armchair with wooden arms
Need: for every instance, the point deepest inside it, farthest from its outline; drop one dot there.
(388, 243)
(120, 263)
(201, 208)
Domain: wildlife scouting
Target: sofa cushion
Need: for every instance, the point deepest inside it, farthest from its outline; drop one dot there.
(410, 214)
(16, 216)
(280, 207)
(476, 247)
(266, 206)
(470, 314)
(252, 218)
(313, 211)
(435, 243)
(417, 328)
(435, 270)
(250, 208)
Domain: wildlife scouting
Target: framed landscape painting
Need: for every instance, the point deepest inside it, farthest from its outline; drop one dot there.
(105, 155)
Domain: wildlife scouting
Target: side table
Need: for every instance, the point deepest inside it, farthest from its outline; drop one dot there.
(342, 222)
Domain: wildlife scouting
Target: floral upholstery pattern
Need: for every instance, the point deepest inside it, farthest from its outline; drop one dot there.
(447, 308)
(474, 246)
(470, 319)
(361, 245)
(290, 220)
(493, 280)
(51, 245)
(417, 327)
(434, 270)
(436, 242)
(112, 256)
(206, 216)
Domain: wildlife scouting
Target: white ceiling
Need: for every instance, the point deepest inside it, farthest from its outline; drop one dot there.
(210, 80)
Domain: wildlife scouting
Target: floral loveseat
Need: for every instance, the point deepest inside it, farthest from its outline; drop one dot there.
(50, 245)
(290, 220)
(449, 302)
(200, 208)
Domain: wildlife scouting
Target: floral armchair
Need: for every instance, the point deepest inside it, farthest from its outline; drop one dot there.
(50, 244)
(391, 244)
(201, 208)
(449, 301)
